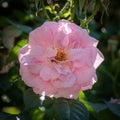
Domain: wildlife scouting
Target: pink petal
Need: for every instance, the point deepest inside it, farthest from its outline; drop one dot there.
(42, 54)
(64, 81)
(23, 53)
(32, 56)
(99, 59)
(86, 77)
(64, 26)
(48, 73)
(44, 35)
(44, 86)
(35, 81)
(61, 40)
(96, 57)
(27, 76)
(79, 39)
(80, 57)
(50, 52)
(37, 54)
(35, 69)
(93, 41)
(63, 69)
(68, 92)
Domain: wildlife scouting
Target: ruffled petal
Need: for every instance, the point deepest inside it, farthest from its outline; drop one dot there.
(64, 81)
(44, 35)
(23, 55)
(99, 59)
(63, 69)
(86, 77)
(48, 73)
(68, 92)
(46, 87)
(80, 57)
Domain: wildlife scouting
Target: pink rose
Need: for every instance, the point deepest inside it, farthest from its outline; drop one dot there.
(60, 59)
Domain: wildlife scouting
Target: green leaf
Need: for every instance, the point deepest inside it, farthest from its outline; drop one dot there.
(115, 108)
(5, 116)
(37, 115)
(31, 100)
(82, 98)
(4, 82)
(98, 106)
(67, 109)
(62, 110)
(11, 110)
(14, 53)
(23, 28)
(78, 110)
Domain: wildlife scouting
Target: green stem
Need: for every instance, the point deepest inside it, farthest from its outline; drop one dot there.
(86, 22)
(73, 7)
(65, 7)
(55, 13)
(102, 6)
(44, 11)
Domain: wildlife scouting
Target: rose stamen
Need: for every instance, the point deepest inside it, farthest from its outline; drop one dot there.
(61, 55)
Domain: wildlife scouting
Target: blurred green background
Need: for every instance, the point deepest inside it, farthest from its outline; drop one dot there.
(100, 18)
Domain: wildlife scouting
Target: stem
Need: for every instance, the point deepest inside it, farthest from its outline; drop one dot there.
(55, 13)
(103, 6)
(86, 22)
(44, 11)
(92, 16)
(65, 7)
(73, 7)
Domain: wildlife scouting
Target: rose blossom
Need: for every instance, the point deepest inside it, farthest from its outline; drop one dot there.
(60, 59)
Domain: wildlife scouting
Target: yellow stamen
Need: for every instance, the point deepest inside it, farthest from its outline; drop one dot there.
(61, 55)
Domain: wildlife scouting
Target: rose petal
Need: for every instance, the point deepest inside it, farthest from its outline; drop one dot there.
(86, 77)
(44, 35)
(25, 51)
(80, 57)
(99, 59)
(68, 92)
(64, 81)
(48, 73)
(62, 69)
(44, 86)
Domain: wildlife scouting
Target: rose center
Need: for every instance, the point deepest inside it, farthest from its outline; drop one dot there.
(61, 55)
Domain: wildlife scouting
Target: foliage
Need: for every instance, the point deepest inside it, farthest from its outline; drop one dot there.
(17, 101)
